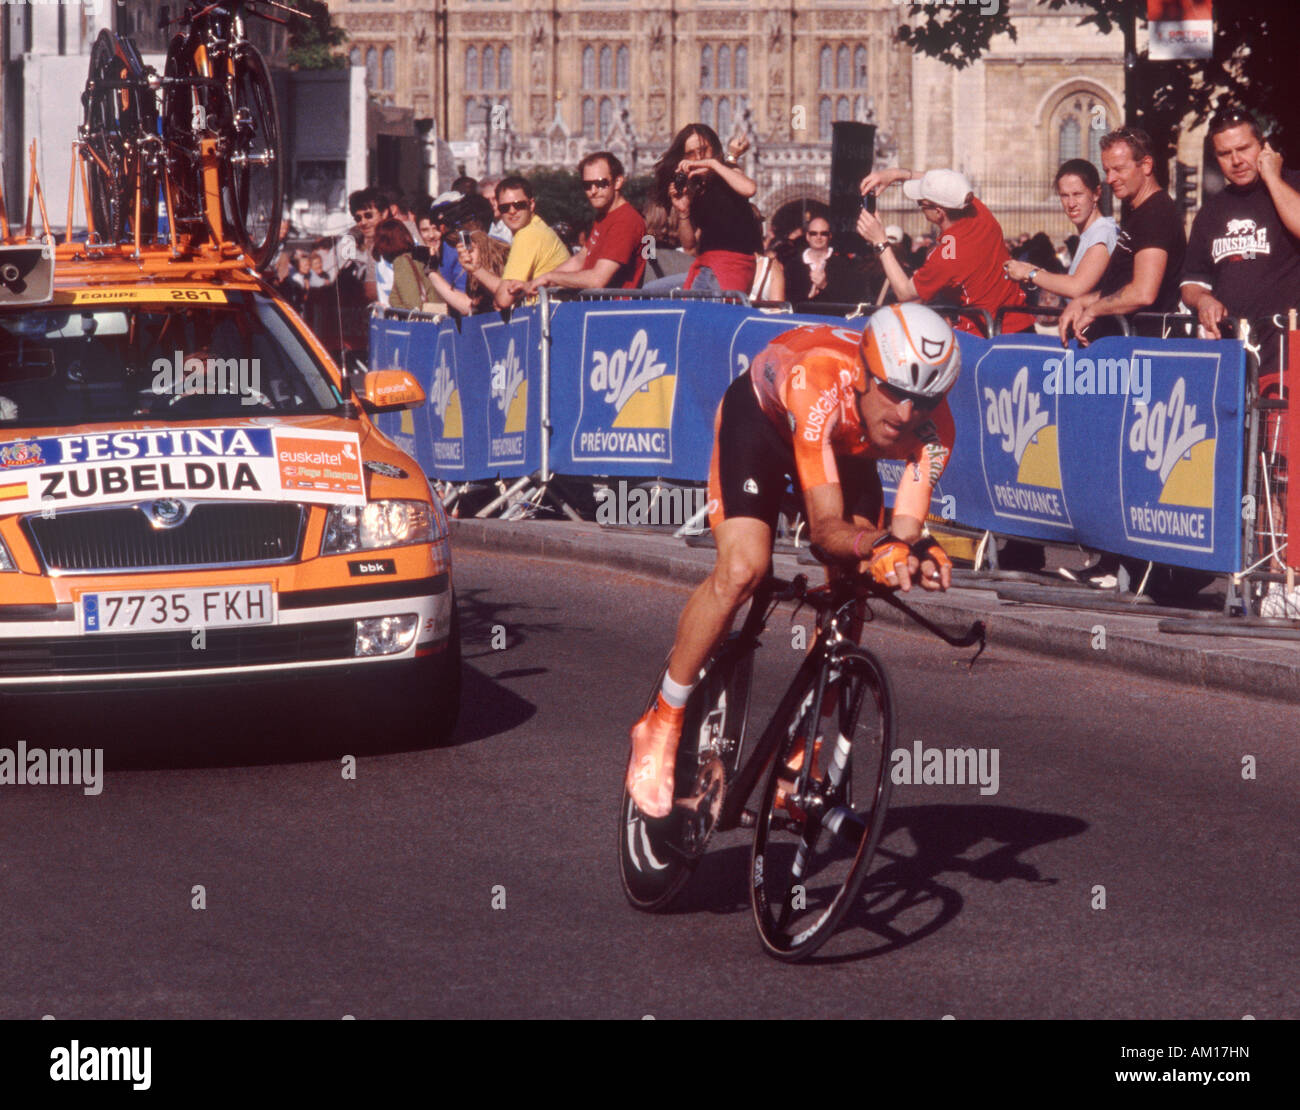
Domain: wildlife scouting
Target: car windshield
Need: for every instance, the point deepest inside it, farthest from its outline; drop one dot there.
(130, 358)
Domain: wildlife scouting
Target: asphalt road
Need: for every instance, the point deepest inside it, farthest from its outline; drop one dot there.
(374, 896)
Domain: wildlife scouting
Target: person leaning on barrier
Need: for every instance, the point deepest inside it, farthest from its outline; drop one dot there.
(969, 257)
(1243, 256)
(535, 248)
(1078, 184)
(612, 257)
(435, 228)
(1142, 273)
(480, 256)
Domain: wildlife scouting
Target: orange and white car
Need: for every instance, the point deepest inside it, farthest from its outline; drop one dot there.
(191, 492)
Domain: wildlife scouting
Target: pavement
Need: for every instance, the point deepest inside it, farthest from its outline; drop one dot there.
(1013, 607)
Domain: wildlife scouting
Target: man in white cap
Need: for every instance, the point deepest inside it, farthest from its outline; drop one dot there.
(968, 257)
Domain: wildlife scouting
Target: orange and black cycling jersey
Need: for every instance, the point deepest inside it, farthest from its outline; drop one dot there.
(803, 380)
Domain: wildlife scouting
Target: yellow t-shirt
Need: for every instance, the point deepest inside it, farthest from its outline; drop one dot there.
(535, 250)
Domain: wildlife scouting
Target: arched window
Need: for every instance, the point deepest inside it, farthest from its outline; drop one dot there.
(372, 68)
(724, 119)
(742, 68)
(390, 68)
(824, 68)
(843, 78)
(606, 118)
(489, 67)
(706, 68)
(505, 78)
(1067, 139)
(606, 68)
(706, 111)
(474, 112)
(354, 56)
(588, 116)
(588, 68)
(860, 68)
(471, 68)
(824, 119)
(1094, 147)
(842, 110)
(724, 67)
(624, 66)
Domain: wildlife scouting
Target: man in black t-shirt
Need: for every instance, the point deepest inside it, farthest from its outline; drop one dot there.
(1145, 265)
(1243, 257)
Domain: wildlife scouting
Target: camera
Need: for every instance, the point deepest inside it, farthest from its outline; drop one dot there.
(680, 181)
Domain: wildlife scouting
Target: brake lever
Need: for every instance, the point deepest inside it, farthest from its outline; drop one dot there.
(977, 633)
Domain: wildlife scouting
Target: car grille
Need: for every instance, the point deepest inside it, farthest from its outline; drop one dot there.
(215, 534)
(166, 651)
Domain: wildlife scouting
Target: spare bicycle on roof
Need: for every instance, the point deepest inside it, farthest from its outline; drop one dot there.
(202, 141)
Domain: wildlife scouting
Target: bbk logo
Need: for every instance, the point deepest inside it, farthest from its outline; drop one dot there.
(507, 377)
(1167, 431)
(621, 375)
(1014, 414)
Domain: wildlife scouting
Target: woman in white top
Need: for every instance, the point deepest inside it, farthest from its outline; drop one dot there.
(1078, 184)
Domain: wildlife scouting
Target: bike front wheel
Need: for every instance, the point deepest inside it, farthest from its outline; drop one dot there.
(817, 830)
(254, 189)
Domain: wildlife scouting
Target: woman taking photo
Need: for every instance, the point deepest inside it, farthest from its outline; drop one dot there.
(1078, 184)
(711, 199)
(479, 255)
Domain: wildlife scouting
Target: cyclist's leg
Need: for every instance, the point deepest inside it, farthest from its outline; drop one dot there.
(746, 480)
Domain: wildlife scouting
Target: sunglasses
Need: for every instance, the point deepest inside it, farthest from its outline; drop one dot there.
(819, 234)
(595, 183)
(506, 207)
(897, 397)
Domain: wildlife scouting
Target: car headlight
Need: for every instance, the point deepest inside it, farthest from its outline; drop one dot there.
(6, 560)
(378, 524)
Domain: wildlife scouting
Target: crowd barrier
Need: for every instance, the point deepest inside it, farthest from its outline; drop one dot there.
(1132, 445)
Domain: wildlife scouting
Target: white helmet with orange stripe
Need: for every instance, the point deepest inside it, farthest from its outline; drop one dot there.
(911, 348)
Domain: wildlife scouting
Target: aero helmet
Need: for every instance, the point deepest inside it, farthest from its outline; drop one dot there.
(911, 348)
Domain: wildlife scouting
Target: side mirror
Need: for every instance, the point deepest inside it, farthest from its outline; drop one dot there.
(390, 391)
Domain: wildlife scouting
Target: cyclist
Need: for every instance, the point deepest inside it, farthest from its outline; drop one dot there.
(819, 405)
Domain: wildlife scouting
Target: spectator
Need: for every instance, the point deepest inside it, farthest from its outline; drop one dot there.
(712, 201)
(1078, 184)
(364, 204)
(667, 262)
(831, 277)
(435, 230)
(465, 185)
(1243, 257)
(612, 257)
(497, 229)
(769, 274)
(969, 264)
(393, 244)
(480, 256)
(1147, 259)
(535, 249)
(318, 278)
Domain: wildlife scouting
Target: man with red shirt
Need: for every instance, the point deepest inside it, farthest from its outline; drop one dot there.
(611, 258)
(969, 253)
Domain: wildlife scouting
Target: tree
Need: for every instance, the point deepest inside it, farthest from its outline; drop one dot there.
(314, 41)
(1253, 63)
(560, 197)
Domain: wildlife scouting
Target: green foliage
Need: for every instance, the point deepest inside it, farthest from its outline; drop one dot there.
(314, 42)
(560, 197)
(1250, 67)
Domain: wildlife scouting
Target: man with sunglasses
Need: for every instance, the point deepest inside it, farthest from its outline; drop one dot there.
(968, 258)
(535, 248)
(611, 257)
(819, 405)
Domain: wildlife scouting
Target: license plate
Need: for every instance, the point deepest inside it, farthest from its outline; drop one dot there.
(170, 610)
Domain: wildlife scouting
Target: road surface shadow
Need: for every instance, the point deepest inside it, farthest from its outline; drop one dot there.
(254, 725)
(902, 900)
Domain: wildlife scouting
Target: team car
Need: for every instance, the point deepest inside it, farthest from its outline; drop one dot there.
(192, 492)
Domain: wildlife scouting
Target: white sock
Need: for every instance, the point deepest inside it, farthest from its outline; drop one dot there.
(674, 693)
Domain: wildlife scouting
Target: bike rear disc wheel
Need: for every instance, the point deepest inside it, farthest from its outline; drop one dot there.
(256, 171)
(813, 850)
(657, 856)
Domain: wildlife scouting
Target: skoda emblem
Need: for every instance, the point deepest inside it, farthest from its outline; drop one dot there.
(166, 513)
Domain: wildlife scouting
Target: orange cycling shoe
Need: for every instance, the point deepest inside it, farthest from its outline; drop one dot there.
(654, 753)
(793, 765)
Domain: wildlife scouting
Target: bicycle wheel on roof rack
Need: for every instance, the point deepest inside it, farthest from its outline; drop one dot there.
(254, 188)
(118, 116)
(193, 108)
